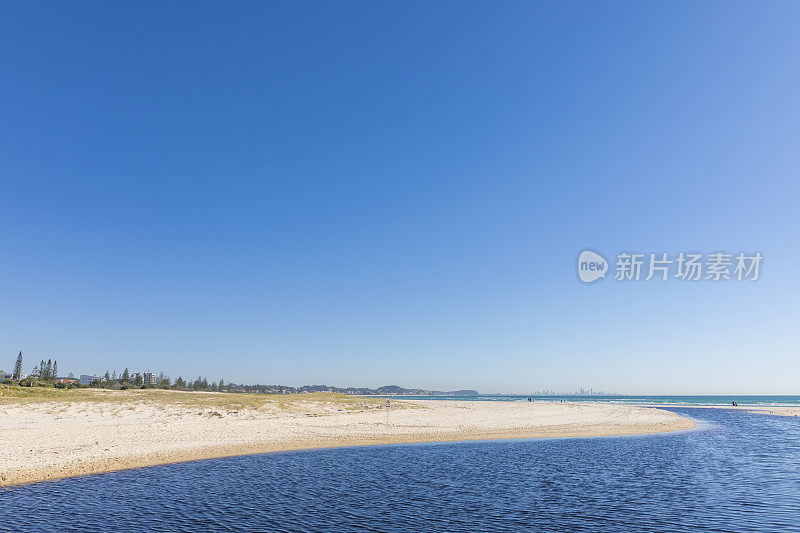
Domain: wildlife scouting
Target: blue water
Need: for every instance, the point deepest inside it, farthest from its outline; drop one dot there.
(737, 472)
(687, 401)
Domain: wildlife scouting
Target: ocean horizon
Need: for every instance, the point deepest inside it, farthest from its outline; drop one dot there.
(678, 400)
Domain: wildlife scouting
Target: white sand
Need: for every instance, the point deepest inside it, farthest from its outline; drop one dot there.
(51, 440)
(780, 410)
(772, 410)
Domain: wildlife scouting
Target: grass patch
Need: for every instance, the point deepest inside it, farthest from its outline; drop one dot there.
(230, 401)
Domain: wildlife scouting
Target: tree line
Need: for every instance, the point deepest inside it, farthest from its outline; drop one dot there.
(46, 374)
(127, 379)
(43, 373)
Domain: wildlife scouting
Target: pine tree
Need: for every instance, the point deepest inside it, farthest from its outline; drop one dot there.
(221, 384)
(55, 369)
(41, 369)
(18, 367)
(106, 378)
(126, 376)
(48, 370)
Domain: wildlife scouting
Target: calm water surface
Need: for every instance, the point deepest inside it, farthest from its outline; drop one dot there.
(737, 472)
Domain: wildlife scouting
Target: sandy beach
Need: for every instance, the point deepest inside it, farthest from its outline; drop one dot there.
(777, 410)
(50, 439)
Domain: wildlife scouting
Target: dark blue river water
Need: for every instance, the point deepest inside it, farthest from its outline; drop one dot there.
(737, 472)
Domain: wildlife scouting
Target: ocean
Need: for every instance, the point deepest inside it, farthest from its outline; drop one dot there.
(737, 471)
(688, 401)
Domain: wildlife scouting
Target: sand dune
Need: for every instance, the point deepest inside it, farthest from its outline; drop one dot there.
(54, 439)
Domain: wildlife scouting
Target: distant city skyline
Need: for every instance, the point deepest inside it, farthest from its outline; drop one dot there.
(368, 196)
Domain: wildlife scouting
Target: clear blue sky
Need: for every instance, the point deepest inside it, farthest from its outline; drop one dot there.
(365, 193)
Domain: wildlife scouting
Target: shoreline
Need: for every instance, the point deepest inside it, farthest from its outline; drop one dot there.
(52, 440)
(134, 462)
(775, 410)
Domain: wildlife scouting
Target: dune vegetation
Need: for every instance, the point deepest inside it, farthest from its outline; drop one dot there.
(11, 394)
